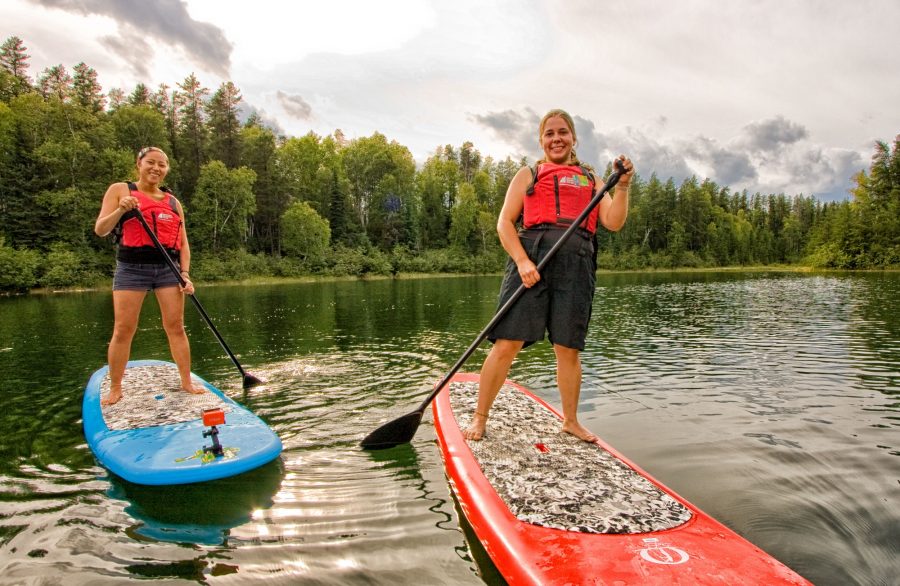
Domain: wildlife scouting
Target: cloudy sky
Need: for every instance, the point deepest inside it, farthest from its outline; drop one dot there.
(766, 95)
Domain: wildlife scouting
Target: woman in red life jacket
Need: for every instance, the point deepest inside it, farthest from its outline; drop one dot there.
(140, 266)
(559, 300)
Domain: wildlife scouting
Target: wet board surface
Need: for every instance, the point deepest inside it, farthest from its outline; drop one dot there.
(552, 509)
(154, 434)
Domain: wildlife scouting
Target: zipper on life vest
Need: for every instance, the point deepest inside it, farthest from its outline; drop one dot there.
(556, 195)
(155, 229)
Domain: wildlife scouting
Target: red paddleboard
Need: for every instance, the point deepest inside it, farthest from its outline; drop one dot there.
(551, 509)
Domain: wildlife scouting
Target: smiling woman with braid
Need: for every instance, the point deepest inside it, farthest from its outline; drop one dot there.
(140, 266)
(558, 302)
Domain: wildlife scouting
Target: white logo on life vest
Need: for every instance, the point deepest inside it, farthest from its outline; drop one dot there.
(164, 216)
(661, 553)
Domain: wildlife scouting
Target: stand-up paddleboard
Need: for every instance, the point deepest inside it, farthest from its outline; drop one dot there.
(551, 509)
(156, 434)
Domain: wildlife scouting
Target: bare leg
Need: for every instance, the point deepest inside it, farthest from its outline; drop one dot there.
(493, 373)
(568, 378)
(127, 310)
(171, 306)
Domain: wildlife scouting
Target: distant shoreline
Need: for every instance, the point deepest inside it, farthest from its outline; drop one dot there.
(411, 276)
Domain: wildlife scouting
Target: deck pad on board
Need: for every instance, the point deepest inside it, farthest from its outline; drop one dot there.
(152, 396)
(550, 478)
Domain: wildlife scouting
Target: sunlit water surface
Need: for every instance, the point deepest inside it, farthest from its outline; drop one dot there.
(771, 401)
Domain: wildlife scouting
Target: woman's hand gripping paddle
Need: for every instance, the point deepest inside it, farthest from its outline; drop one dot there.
(249, 379)
(401, 430)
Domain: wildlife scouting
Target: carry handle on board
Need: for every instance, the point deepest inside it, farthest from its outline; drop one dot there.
(402, 429)
(249, 379)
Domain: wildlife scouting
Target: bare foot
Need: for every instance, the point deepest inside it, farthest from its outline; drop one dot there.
(579, 431)
(193, 389)
(113, 397)
(475, 431)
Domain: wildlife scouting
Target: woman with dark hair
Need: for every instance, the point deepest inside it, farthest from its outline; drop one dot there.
(140, 266)
(558, 302)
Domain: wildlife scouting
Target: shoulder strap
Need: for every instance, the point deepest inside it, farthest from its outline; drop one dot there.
(534, 172)
(116, 233)
(589, 174)
(173, 201)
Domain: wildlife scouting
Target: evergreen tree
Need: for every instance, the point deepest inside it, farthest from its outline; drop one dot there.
(55, 82)
(191, 133)
(140, 96)
(116, 98)
(259, 154)
(165, 105)
(224, 128)
(337, 212)
(86, 90)
(14, 61)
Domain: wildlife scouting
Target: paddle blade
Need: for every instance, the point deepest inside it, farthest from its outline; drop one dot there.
(393, 433)
(251, 381)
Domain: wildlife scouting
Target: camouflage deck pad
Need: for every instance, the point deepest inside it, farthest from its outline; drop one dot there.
(152, 395)
(573, 485)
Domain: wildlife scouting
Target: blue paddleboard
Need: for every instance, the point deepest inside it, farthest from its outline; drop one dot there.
(154, 434)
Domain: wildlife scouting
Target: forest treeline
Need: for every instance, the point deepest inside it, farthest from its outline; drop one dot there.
(260, 204)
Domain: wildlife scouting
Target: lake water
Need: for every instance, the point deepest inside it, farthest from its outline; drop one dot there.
(769, 400)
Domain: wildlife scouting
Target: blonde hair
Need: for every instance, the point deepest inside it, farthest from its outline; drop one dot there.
(567, 118)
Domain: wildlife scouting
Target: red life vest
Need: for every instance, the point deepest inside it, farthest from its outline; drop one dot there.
(161, 215)
(557, 195)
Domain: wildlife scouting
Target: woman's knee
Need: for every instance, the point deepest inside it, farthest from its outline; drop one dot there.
(506, 350)
(174, 326)
(123, 331)
(567, 355)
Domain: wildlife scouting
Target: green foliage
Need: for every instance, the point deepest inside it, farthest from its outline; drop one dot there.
(18, 268)
(259, 154)
(464, 219)
(139, 126)
(262, 204)
(62, 268)
(447, 260)
(358, 262)
(381, 176)
(305, 234)
(221, 207)
(231, 265)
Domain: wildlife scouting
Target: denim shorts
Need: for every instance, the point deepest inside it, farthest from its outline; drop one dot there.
(560, 303)
(143, 277)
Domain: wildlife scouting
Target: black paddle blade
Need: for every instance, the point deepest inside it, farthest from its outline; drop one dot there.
(393, 433)
(251, 381)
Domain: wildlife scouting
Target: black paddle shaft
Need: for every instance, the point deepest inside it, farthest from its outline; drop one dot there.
(402, 429)
(248, 379)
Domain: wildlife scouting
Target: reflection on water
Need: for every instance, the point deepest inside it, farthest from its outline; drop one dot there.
(197, 513)
(768, 400)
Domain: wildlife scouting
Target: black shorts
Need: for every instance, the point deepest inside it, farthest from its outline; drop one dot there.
(143, 277)
(561, 302)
